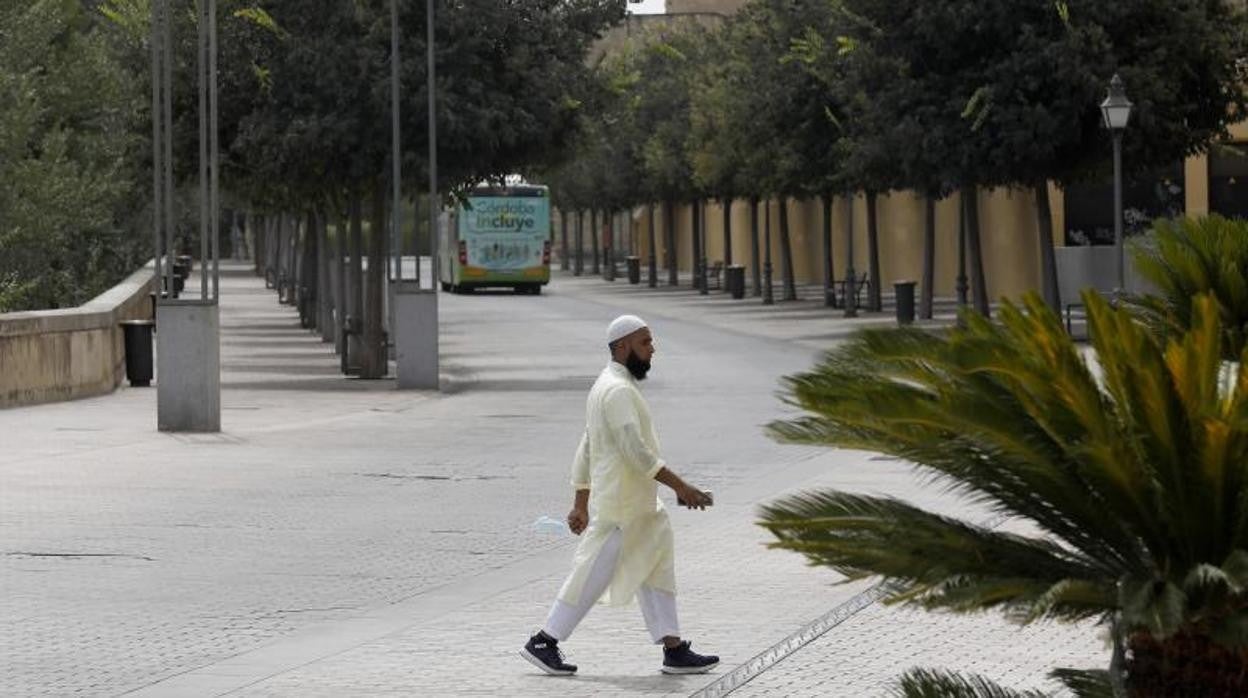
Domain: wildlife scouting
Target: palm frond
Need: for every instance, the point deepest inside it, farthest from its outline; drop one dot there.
(936, 561)
(939, 683)
(1191, 256)
(1085, 683)
(1134, 464)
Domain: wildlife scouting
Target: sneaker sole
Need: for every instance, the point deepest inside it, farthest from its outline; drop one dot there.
(542, 665)
(688, 669)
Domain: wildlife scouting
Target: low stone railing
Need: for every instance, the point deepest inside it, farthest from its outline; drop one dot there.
(52, 355)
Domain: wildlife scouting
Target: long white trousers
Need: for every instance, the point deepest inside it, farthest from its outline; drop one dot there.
(658, 607)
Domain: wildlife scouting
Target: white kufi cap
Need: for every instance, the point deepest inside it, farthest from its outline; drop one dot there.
(623, 326)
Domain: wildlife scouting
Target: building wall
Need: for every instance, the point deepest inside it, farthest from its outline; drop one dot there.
(1008, 227)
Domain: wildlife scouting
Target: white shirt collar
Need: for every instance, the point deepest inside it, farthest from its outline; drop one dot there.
(620, 370)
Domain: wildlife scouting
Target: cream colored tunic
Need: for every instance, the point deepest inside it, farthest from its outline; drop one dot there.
(617, 461)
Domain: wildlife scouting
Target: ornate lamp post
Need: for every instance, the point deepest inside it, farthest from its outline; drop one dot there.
(1116, 110)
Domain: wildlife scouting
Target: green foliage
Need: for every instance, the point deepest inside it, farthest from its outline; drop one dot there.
(69, 179)
(931, 683)
(1135, 468)
(1192, 256)
(939, 683)
(1085, 683)
(760, 124)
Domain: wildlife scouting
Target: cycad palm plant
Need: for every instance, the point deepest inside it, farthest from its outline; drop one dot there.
(1134, 466)
(1186, 257)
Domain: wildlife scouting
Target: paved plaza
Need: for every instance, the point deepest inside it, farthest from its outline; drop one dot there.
(343, 538)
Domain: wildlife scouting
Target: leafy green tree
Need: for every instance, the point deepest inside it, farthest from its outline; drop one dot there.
(761, 128)
(1133, 469)
(1005, 93)
(69, 157)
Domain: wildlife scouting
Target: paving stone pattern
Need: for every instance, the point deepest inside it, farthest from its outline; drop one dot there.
(343, 538)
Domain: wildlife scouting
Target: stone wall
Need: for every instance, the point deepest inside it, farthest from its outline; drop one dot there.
(52, 355)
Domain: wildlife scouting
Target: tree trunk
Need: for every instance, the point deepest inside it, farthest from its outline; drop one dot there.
(755, 266)
(373, 362)
(355, 283)
(695, 222)
(1048, 256)
(593, 241)
(578, 255)
(1183, 665)
(979, 288)
(563, 238)
(324, 280)
(310, 273)
(875, 302)
(342, 301)
(610, 238)
(257, 223)
(653, 260)
(727, 206)
(851, 274)
(283, 258)
(702, 245)
(669, 225)
(829, 290)
(928, 291)
(786, 252)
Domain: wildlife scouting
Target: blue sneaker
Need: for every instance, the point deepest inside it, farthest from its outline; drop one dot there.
(682, 660)
(543, 652)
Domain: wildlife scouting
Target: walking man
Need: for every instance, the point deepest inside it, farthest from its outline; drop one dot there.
(626, 547)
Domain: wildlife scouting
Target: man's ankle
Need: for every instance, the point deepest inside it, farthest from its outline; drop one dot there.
(671, 642)
(545, 637)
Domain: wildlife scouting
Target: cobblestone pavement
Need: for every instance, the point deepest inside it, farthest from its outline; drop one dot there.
(343, 538)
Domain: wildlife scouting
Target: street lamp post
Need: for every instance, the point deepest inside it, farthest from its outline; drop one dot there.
(1116, 110)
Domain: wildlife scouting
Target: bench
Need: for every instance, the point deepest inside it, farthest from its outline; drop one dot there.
(862, 282)
(715, 271)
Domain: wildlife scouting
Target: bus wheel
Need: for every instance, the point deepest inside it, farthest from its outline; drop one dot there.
(446, 286)
(536, 289)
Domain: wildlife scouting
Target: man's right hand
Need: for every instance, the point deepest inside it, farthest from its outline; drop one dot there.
(578, 519)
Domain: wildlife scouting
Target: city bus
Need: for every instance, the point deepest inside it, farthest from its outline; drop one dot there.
(499, 236)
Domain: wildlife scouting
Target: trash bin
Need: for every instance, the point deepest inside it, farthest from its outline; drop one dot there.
(905, 301)
(137, 336)
(634, 269)
(734, 279)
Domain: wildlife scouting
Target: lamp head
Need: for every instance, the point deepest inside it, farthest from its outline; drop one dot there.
(1116, 109)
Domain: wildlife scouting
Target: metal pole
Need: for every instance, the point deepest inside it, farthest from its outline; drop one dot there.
(433, 140)
(167, 132)
(157, 199)
(201, 69)
(396, 171)
(1118, 213)
(216, 154)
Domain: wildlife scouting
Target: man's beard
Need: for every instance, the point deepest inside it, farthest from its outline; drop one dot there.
(636, 366)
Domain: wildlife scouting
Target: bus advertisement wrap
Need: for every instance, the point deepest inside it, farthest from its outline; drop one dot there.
(505, 233)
